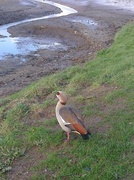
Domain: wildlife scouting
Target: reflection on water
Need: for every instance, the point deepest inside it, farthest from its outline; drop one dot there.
(83, 20)
(13, 46)
(25, 45)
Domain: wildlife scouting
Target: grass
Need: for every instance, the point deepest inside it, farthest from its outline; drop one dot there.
(103, 89)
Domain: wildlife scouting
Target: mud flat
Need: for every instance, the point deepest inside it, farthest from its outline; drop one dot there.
(64, 41)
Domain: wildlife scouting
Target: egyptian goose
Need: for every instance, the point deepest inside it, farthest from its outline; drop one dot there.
(69, 118)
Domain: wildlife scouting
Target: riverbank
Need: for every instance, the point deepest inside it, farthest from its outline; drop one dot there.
(32, 142)
(77, 31)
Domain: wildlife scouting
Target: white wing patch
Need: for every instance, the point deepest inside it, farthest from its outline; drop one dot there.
(64, 122)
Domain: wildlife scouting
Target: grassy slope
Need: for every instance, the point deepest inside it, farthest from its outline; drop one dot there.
(104, 92)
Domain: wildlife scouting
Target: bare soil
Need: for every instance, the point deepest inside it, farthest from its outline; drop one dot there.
(83, 40)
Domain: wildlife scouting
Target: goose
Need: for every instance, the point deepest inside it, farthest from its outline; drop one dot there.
(69, 118)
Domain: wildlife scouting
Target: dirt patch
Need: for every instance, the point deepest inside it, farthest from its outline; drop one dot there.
(22, 168)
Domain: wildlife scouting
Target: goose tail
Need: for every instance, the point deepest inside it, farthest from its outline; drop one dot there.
(86, 136)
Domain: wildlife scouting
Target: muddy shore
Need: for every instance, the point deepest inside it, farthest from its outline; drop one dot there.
(81, 37)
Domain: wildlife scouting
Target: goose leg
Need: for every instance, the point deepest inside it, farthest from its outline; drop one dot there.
(68, 138)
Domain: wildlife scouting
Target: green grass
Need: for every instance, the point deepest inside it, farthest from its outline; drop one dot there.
(103, 89)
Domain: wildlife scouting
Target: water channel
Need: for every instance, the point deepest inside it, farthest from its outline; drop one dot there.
(20, 45)
(10, 46)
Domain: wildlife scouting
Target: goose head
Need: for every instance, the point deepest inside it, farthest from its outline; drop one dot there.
(62, 97)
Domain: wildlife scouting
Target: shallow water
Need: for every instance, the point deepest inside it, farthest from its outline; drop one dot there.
(22, 46)
(83, 20)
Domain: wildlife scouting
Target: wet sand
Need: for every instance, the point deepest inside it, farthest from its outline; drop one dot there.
(76, 31)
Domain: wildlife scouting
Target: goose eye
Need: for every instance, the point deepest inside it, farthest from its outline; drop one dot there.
(58, 93)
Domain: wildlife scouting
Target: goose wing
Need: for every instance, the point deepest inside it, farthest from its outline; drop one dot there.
(72, 119)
